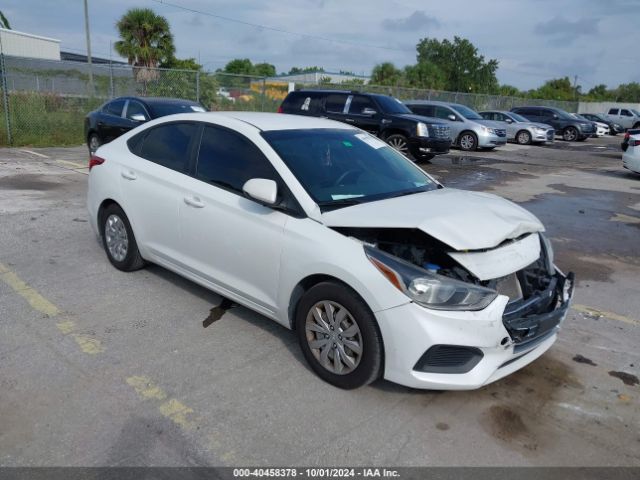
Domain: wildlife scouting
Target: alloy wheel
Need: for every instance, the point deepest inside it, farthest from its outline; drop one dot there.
(524, 138)
(467, 142)
(334, 337)
(116, 238)
(399, 144)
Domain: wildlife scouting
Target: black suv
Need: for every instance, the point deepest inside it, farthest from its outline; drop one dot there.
(569, 127)
(420, 138)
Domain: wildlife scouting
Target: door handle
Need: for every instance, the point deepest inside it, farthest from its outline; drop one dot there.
(194, 202)
(349, 120)
(128, 175)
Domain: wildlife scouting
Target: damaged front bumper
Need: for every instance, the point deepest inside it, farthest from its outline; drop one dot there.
(465, 350)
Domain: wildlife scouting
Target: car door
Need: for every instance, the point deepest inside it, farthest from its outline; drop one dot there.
(135, 114)
(230, 240)
(626, 117)
(151, 181)
(110, 121)
(335, 105)
(446, 114)
(364, 114)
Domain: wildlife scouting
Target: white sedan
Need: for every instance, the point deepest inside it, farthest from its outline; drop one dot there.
(602, 129)
(631, 156)
(327, 230)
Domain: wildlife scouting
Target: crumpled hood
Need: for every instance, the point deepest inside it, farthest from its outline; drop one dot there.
(461, 219)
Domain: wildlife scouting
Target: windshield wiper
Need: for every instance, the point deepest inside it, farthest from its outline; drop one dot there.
(407, 192)
(343, 202)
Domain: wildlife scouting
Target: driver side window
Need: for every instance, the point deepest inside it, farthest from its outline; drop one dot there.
(442, 112)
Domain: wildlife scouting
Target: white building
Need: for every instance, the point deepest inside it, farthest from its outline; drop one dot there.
(316, 78)
(19, 44)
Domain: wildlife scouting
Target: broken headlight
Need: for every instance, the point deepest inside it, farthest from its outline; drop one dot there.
(427, 288)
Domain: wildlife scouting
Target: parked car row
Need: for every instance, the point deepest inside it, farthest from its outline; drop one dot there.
(631, 155)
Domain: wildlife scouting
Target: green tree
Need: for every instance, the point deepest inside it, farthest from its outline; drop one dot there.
(510, 91)
(386, 74)
(425, 75)
(264, 70)
(181, 64)
(628, 92)
(239, 66)
(145, 38)
(297, 70)
(463, 68)
(4, 23)
(557, 89)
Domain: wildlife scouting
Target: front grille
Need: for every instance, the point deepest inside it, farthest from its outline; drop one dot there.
(441, 131)
(449, 359)
(501, 132)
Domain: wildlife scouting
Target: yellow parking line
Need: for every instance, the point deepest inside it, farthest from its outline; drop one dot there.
(72, 164)
(603, 313)
(87, 343)
(173, 409)
(37, 301)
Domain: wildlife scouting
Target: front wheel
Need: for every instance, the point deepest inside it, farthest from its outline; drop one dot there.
(570, 134)
(118, 240)
(400, 143)
(339, 336)
(523, 137)
(468, 141)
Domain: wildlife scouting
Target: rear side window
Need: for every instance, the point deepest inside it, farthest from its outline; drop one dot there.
(114, 108)
(425, 110)
(613, 111)
(169, 145)
(228, 159)
(335, 103)
(301, 103)
(359, 103)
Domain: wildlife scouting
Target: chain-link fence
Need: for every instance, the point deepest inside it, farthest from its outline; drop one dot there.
(48, 100)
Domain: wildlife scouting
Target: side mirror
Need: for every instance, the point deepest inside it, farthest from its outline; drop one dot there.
(555, 116)
(138, 117)
(368, 111)
(262, 190)
(508, 120)
(452, 117)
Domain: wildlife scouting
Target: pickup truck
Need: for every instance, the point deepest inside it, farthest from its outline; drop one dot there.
(627, 117)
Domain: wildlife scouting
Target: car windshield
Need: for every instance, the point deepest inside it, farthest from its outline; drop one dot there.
(636, 112)
(391, 104)
(518, 118)
(339, 167)
(563, 114)
(466, 112)
(163, 109)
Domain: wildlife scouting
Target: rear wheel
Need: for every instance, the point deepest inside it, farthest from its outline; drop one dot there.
(468, 141)
(570, 134)
(118, 240)
(93, 142)
(339, 336)
(523, 137)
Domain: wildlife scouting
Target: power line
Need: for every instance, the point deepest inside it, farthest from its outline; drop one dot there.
(278, 30)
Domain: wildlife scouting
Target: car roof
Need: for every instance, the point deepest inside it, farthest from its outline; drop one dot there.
(264, 121)
(159, 100)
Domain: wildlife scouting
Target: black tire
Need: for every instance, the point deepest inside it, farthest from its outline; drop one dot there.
(523, 137)
(637, 125)
(93, 142)
(425, 158)
(400, 143)
(132, 260)
(468, 141)
(570, 134)
(370, 362)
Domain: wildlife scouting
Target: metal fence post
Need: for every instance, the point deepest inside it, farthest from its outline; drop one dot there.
(5, 96)
(264, 92)
(197, 85)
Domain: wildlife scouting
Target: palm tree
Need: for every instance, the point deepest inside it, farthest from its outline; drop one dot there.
(146, 41)
(4, 23)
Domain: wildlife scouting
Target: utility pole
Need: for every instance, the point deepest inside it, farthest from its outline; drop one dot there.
(575, 90)
(86, 29)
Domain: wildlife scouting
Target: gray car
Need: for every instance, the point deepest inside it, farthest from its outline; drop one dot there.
(521, 130)
(469, 131)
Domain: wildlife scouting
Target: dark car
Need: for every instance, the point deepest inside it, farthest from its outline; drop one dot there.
(625, 141)
(614, 128)
(122, 114)
(571, 128)
(418, 137)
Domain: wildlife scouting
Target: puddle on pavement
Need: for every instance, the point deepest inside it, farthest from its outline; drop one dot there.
(217, 312)
(27, 181)
(460, 160)
(627, 378)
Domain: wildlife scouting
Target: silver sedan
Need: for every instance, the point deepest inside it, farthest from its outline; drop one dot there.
(521, 130)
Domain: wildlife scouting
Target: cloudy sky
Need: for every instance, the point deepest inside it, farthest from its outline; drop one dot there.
(533, 40)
